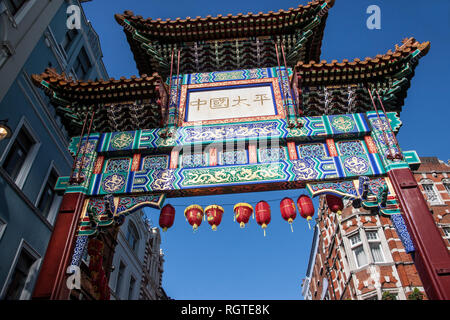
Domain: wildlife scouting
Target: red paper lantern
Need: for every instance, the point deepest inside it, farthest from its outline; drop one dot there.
(194, 215)
(288, 210)
(335, 203)
(262, 213)
(305, 207)
(242, 213)
(214, 215)
(167, 217)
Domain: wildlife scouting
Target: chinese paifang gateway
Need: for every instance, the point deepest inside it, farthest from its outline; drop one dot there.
(335, 122)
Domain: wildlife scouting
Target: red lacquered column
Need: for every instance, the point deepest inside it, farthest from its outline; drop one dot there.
(51, 282)
(431, 258)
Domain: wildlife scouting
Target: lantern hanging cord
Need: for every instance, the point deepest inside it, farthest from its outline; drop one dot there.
(225, 204)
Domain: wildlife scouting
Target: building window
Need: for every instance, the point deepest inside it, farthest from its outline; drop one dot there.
(2, 227)
(82, 64)
(48, 195)
(20, 275)
(131, 289)
(119, 278)
(430, 191)
(68, 39)
(375, 246)
(14, 5)
(446, 183)
(132, 236)
(18, 153)
(358, 250)
(446, 233)
(375, 297)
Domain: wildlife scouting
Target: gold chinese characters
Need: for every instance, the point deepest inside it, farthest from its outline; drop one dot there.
(224, 102)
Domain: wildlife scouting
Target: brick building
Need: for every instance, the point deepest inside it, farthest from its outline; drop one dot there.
(433, 176)
(361, 257)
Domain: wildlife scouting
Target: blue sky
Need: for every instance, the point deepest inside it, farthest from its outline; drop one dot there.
(243, 264)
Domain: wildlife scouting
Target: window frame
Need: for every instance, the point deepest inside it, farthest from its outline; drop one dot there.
(119, 278)
(80, 60)
(446, 234)
(132, 286)
(22, 11)
(375, 241)
(431, 183)
(132, 226)
(71, 35)
(32, 273)
(353, 246)
(54, 206)
(31, 155)
(9, 4)
(446, 184)
(3, 225)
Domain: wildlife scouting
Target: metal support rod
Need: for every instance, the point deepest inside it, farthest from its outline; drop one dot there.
(86, 144)
(386, 140)
(289, 82)
(170, 88)
(399, 155)
(178, 80)
(79, 146)
(280, 78)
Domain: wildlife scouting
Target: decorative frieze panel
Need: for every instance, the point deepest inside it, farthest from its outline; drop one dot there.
(233, 157)
(272, 154)
(313, 128)
(351, 148)
(185, 179)
(312, 150)
(155, 162)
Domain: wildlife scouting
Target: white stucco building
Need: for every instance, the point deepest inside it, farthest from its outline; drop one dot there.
(137, 261)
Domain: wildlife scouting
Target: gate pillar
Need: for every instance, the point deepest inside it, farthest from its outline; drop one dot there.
(51, 283)
(431, 258)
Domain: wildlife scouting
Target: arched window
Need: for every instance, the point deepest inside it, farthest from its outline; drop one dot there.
(430, 191)
(132, 236)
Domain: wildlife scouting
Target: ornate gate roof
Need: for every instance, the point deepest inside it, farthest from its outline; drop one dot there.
(226, 42)
(120, 105)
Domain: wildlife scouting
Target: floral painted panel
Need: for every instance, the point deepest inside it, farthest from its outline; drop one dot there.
(194, 160)
(312, 150)
(233, 157)
(118, 165)
(272, 154)
(155, 162)
(351, 148)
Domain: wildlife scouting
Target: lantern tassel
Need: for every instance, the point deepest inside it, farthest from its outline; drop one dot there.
(309, 219)
(264, 232)
(292, 229)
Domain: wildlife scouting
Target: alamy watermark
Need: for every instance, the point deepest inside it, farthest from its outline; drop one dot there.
(74, 280)
(374, 20)
(74, 19)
